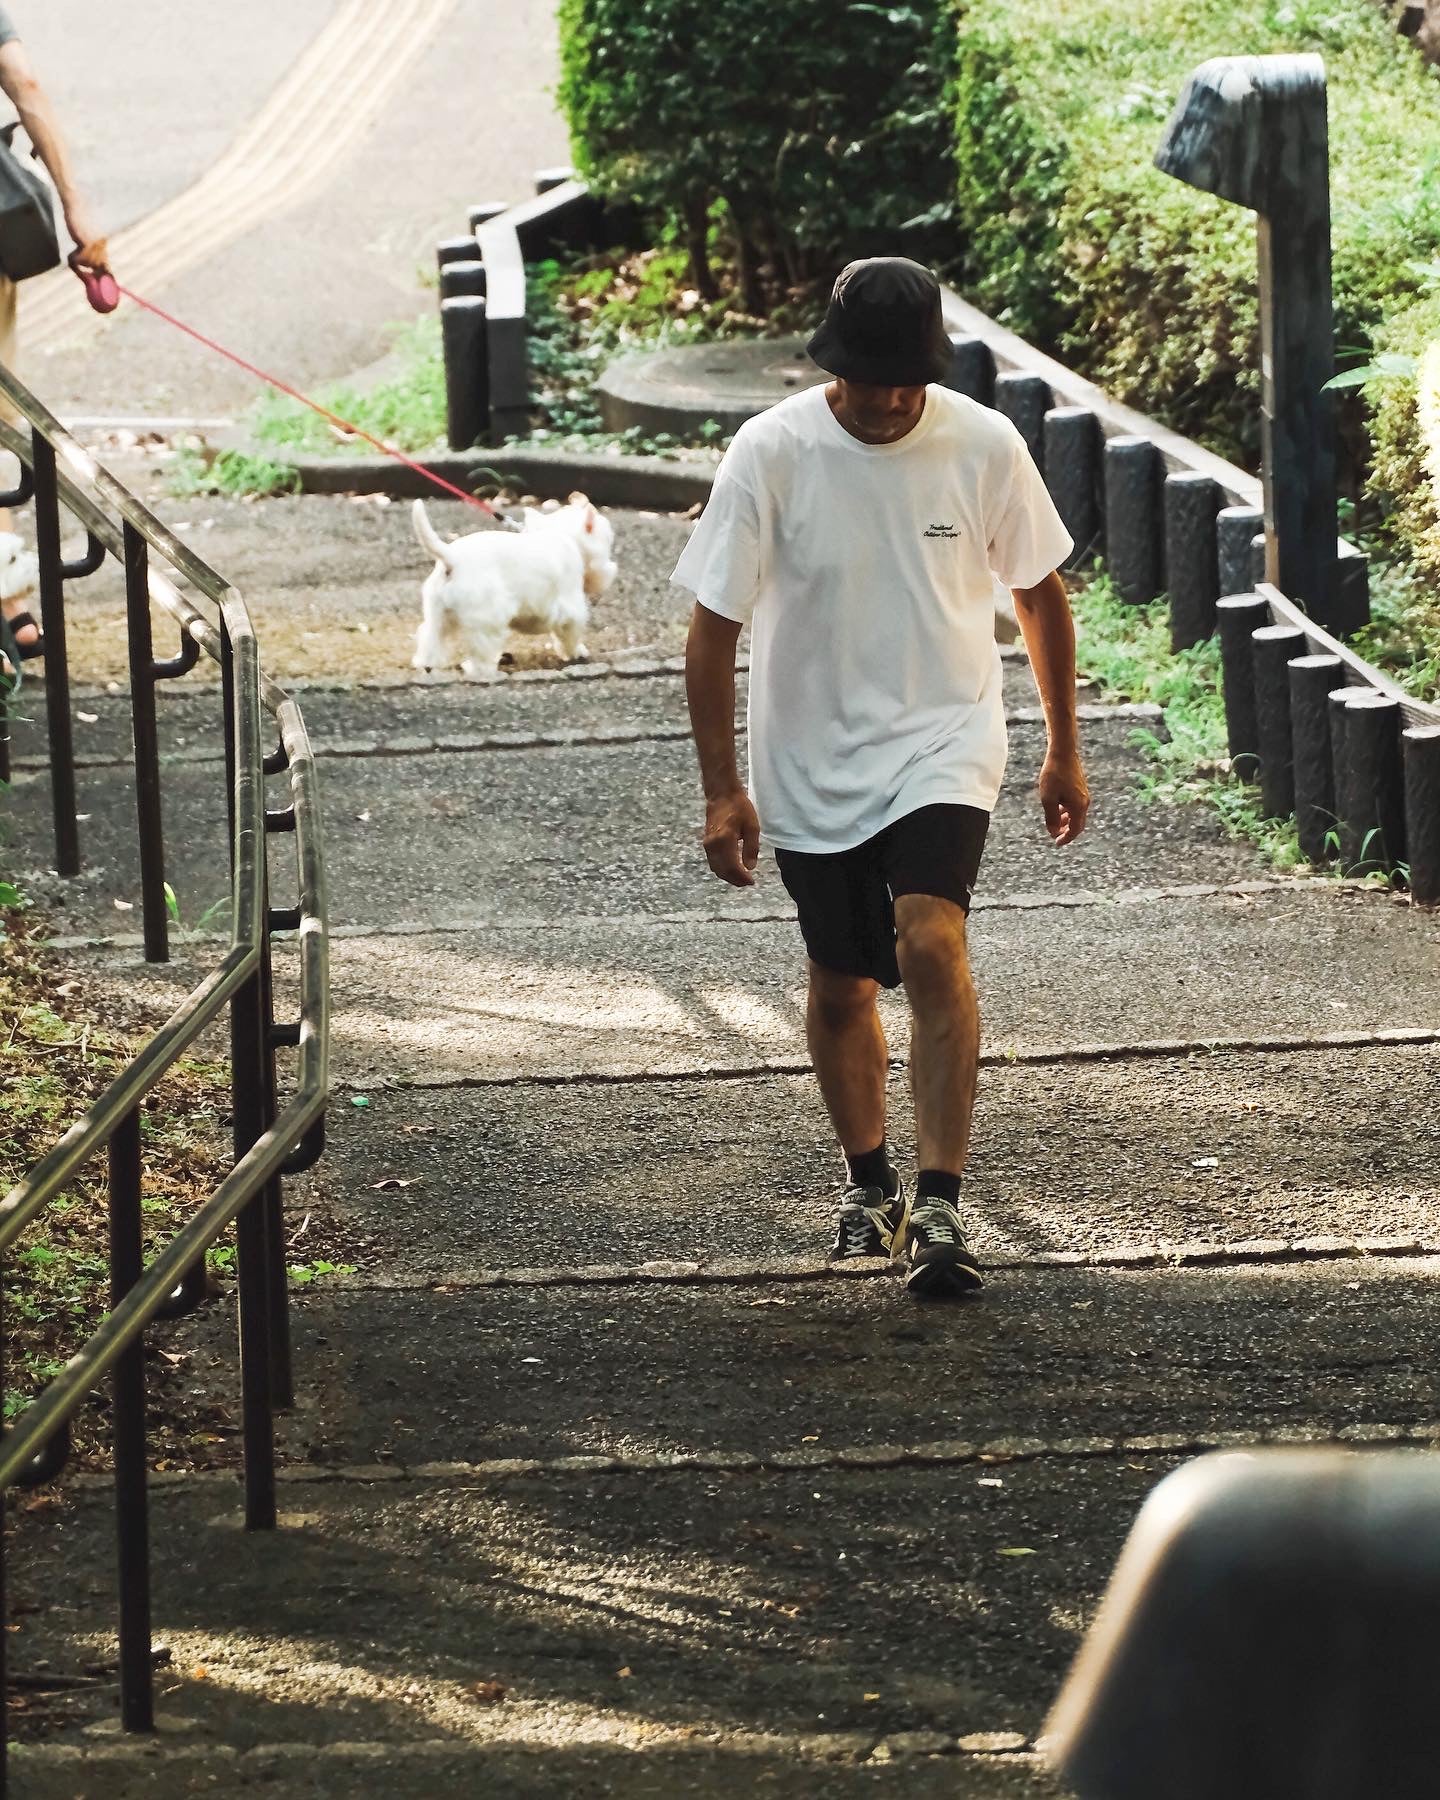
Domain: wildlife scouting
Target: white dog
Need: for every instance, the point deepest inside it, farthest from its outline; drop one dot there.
(491, 582)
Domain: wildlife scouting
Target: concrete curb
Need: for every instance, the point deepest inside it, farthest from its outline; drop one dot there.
(647, 483)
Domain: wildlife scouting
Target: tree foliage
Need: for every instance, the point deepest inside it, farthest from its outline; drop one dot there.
(815, 133)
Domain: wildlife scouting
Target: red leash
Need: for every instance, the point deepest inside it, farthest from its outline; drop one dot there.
(314, 405)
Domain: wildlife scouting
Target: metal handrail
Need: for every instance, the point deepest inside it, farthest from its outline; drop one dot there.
(271, 1140)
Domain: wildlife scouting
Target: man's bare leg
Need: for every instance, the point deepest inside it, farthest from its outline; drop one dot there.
(852, 1061)
(851, 1058)
(944, 1055)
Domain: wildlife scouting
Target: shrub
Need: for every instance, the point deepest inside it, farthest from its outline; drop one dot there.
(1073, 237)
(818, 131)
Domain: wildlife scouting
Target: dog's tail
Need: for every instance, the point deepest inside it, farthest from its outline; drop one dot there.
(430, 539)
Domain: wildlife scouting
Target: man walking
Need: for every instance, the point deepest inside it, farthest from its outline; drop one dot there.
(856, 528)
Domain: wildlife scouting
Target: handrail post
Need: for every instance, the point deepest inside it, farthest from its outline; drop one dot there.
(57, 665)
(147, 748)
(132, 1526)
(248, 1033)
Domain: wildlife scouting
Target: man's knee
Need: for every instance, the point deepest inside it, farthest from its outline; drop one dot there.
(837, 1001)
(930, 943)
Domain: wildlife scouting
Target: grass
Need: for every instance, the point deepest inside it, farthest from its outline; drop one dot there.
(1126, 651)
(57, 1053)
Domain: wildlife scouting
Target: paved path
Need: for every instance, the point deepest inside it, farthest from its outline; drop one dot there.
(278, 176)
(600, 1482)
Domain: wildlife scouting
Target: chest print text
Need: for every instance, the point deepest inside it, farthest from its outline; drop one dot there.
(942, 531)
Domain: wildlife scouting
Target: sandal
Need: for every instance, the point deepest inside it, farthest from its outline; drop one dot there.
(16, 622)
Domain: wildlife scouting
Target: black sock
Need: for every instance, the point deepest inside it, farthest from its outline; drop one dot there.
(938, 1184)
(872, 1168)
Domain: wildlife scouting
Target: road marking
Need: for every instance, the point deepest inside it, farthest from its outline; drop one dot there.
(320, 111)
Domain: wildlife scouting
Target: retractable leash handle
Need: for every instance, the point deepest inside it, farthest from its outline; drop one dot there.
(102, 290)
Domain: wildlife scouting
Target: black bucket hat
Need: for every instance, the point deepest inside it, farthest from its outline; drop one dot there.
(883, 325)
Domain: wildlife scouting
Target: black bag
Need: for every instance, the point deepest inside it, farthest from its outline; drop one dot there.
(29, 243)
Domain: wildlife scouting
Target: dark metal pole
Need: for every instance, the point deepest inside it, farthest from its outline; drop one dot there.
(127, 1261)
(147, 747)
(1192, 574)
(1422, 811)
(1272, 647)
(247, 1032)
(1311, 679)
(1239, 616)
(57, 663)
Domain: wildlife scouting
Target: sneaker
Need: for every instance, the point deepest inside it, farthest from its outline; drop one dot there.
(868, 1222)
(932, 1247)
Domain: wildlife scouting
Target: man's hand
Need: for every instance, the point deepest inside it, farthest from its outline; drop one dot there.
(1065, 796)
(732, 838)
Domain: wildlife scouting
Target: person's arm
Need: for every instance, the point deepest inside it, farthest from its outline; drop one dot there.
(732, 826)
(20, 84)
(1049, 633)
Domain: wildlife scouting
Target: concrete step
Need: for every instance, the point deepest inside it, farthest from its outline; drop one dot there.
(761, 1367)
(157, 1770)
(511, 1178)
(451, 839)
(690, 1627)
(622, 998)
(636, 693)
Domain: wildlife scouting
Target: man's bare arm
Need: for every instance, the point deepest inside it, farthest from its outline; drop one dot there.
(1049, 632)
(21, 85)
(732, 828)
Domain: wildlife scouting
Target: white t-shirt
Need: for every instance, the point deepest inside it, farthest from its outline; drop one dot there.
(867, 574)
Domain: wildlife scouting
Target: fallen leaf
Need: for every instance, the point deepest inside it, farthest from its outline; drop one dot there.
(871, 1696)
(1017, 1550)
(88, 718)
(989, 1481)
(625, 1673)
(396, 1181)
(124, 906)
(489, 1693)
(1204, 1162)
(812, 1438)
(359, 1100)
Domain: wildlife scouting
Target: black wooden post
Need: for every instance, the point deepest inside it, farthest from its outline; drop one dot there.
(457, 249)
(1192, 576)
(459, 278)
(1239, 616)
(1133, 476)
(1235, 526)
(1253, 129)
(1311, 679)
(1371, 784)
(1272, 647)
(972, 369)
(467, 369)
(1422, 812)
(1073, 445)
(1025, 400)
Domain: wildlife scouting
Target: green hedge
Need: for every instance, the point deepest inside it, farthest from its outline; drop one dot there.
(1400, 477)
(1073, 237)
(812, 130)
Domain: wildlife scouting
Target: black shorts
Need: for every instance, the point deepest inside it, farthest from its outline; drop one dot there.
(846, 900)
